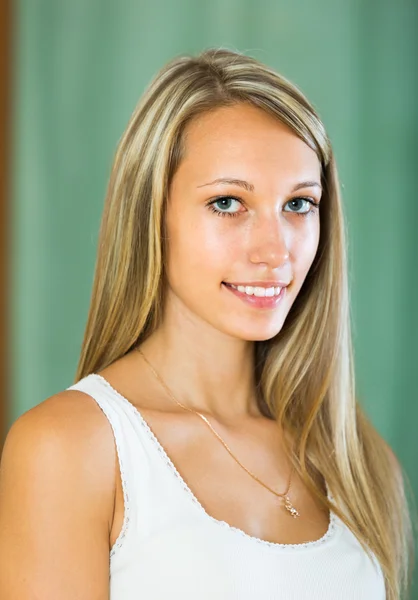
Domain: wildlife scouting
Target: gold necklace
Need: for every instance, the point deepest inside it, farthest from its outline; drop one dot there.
(284, 496)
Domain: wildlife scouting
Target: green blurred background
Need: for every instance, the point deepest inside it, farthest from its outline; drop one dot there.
(80, 67)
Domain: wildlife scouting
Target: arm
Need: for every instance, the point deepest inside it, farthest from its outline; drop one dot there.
(57, 483)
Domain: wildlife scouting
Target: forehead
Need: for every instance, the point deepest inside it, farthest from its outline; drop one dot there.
(244, 140)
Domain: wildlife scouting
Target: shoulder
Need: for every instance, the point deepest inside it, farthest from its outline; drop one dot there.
(57, 483)
(68, 420)
(67, 430)
(68, 439)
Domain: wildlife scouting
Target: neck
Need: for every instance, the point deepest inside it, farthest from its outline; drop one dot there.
(205, 371)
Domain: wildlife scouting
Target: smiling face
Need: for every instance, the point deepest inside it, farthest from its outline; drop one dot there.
(242, 222)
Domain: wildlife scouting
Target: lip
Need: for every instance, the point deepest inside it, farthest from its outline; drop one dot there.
(264, 284)
(268, 303)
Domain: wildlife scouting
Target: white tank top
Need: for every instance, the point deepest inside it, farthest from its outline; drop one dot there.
(169, 547)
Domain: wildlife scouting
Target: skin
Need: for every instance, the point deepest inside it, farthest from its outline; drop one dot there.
(59, 470)
(264, 241)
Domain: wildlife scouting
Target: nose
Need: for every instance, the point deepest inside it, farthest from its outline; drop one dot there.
(269, 244)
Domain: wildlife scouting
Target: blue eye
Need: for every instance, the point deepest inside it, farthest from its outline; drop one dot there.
(228, 206)
(225, 206)
(302, 206)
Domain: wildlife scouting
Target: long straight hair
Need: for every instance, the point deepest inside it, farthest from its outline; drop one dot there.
(305, 373)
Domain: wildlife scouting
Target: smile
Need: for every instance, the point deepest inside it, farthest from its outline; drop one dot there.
(260, 292)
(257, 296)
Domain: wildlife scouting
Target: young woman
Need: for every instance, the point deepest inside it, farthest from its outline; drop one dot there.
(211, 446)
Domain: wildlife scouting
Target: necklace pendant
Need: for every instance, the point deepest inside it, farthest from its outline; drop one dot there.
(289, 507)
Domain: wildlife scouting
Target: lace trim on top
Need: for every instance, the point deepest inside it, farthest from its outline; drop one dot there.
(126, 500)
(332, 526)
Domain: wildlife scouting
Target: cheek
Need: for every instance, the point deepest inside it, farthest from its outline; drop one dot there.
(304, 248)
(196, 249)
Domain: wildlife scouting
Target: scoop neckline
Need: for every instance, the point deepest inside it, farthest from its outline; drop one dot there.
(326, 537)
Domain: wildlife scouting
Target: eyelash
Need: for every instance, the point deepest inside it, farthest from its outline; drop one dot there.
(219, 213)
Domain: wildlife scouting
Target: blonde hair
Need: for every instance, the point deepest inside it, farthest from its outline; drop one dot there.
(305, 373)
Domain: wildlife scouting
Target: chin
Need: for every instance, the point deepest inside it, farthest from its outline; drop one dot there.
(261, 337)
(255, 334)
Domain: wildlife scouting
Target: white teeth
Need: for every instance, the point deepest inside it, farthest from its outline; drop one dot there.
(258, 291)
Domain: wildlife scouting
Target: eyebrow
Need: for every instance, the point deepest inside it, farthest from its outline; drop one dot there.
(250, 188)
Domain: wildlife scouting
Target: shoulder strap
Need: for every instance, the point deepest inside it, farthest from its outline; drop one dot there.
(127, 444)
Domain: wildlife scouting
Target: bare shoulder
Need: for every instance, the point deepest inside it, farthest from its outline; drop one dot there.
(66, 431)
(66, 415)
(57, 486)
